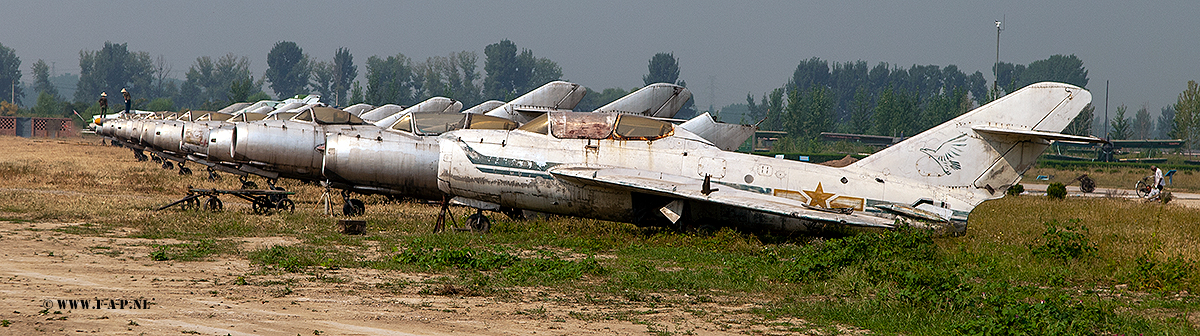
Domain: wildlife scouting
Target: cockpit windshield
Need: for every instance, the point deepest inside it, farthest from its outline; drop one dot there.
(540, 125)
(581, 125)
(437, 123)
(328, 115)
(592, 125)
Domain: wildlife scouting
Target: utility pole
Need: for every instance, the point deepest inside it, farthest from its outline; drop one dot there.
(996, 66)
(1106, 109)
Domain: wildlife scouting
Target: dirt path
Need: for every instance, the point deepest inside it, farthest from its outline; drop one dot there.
(1185, 199)
(207, 298)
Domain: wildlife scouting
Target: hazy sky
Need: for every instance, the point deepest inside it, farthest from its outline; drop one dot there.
(1147, 50)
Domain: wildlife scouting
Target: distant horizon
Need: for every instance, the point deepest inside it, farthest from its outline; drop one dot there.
(725, 50)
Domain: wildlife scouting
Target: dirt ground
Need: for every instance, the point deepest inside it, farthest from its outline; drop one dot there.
(42, 267)
(206, 298)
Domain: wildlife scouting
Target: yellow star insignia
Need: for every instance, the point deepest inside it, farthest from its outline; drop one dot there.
(818, 197)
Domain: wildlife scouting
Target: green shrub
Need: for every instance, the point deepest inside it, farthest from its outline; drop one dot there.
(1064, 242)
(1016, 189)
(1056, 190)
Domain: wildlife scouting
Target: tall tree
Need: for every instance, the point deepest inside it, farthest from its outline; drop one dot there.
(503, 72)
(344, 72)
(809, 112)
(389, 80)
(894, 113)
(10, 76)
(860, 113)
(510, 74)
(41, 79)
(1166, 122)
(1142, 124)
(1082, 123)
(212, 81)
(664, 68)
(1187, 116)
(287, 69)
(1057, 68)
(1120, 125)
(111, 69)
(322, 79)
(451, 76)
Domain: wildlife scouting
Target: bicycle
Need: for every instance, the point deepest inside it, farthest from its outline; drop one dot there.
(1144, 186)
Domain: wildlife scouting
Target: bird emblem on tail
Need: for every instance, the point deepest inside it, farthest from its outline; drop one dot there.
(945, 154)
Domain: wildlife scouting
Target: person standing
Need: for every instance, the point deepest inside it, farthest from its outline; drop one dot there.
(103, 104)
(128, 100)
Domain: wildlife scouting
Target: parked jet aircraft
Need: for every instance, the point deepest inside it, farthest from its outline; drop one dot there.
(633, 169)
(402, 159)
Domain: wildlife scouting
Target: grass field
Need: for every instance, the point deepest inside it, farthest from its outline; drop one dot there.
(1027, 265)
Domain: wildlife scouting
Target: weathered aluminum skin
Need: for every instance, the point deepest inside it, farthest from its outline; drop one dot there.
(484, 107)
(724, 136)
(358, 109)
(668, 98)
(556, 95)
(950, 168)
(290, 148)
(380, 112)
(431, 105)
(399, 161)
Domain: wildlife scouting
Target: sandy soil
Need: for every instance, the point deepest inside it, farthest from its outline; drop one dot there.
(205, 298)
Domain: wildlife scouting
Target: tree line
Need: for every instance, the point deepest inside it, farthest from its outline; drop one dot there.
(211, 82)
(884, 99)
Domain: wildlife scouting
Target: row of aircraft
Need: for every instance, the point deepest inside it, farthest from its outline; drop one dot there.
(628, 161)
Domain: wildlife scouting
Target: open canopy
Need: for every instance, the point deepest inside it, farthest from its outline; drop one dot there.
(592, 125)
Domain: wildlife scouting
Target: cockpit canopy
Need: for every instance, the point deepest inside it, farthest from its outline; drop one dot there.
(328, 116)
(432, 123)
(213, 116)
(592, 125)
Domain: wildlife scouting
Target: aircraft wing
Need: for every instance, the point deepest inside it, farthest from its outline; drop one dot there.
(689, 188)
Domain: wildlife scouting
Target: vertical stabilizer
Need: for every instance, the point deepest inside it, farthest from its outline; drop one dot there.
(986, 150)
(431, 105)
(659, 100)
(556, 95)
(725, 136)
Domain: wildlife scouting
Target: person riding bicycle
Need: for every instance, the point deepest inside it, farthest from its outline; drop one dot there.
(1159, 183)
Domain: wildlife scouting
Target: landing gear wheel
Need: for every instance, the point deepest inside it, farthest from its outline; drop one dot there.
(276, 198)
(158, 160)
(213, 204)
(248, 184)
(353, 207)
(167, 164)
(185, 171)
(258, 208)
(286, 204)
(479, 223)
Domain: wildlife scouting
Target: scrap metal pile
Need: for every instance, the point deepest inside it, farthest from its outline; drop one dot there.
(627, 161)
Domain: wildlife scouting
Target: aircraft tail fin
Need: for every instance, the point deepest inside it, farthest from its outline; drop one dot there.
(556, 95)
(725, 136)
(659, 100)
(986, 150)
(431, 105)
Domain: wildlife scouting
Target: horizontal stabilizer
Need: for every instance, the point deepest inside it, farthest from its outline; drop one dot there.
(1035, 134)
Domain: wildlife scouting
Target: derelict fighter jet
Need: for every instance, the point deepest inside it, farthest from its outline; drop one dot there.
(401, 158)
(638, 170)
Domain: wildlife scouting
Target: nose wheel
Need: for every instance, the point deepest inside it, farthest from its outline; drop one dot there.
(478, 222)
(352, 207)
